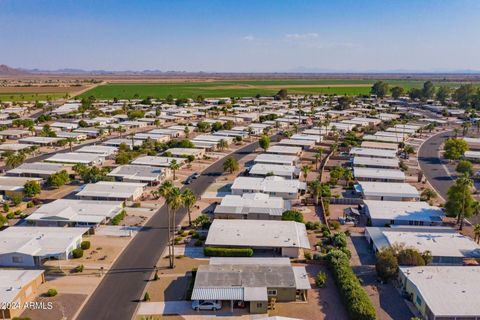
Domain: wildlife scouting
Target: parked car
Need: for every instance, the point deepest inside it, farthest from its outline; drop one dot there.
(207, 305)
(195, 175)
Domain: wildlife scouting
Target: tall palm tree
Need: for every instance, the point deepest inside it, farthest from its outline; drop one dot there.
(164, 191)
(222, 144)
(174, 203)
(174, 166)
(305, 171)
(189, 200)
(70, 143)
(315, 188)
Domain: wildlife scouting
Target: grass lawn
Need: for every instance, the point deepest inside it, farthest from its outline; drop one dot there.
(243, 88)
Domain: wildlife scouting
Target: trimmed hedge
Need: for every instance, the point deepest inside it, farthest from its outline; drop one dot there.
(355, 298)
(228, 252)
(118, 218)
(85, 245)
(77, 253)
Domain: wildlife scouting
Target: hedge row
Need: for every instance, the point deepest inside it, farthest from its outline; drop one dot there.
(228, 252)
(118, 218)
(355, 298)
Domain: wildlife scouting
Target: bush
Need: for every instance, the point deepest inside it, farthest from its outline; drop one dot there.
(198, 243)
(335, 225)
(228, 252)
(308, 255)
(77, 253)
(339, 240)
(10, 215)
(3, 220)
(356, 300)
(292, 215)
(321, 279)
(52, 292)
(146, 297)
(30, 204)
(136, 205)
(312, 225)
(118, 218)
(195, 235)
(85, 245)
(79, 268)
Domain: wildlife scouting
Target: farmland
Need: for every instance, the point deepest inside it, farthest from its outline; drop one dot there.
(210, 89)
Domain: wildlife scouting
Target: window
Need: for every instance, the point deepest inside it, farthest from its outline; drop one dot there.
(17, 259)
(272, 292)
(259, 305)
(418, 301)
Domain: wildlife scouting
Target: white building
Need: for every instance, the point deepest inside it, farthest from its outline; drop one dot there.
(387, 191)
(265, 169)
(106, 190)
(257, 206)
(76, 158)
(272, 185)
(376, 174)
(276, 159)
(139, 173)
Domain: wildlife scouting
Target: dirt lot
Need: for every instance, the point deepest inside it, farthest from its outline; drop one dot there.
(64, 306)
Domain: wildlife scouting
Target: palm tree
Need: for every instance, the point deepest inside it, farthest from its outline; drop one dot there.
(164, 191)
(189, 200)
(465, 127)
(476, 230)
(15, 159)
(318, 157)
(465, 183)
(132, 136)
(174, 166)
(315, 188)
(222, 144)
(174, 203)
(305, 171)
(70, 143)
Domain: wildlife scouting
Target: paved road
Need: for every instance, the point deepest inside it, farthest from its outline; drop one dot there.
(433, 166)
(117, 295)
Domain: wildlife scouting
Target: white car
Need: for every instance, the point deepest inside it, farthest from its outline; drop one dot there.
(207, 305)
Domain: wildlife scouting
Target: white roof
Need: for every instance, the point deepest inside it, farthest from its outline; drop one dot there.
(252, 203)
(403, 210)
(284, 150)
(14, 146)
(136, 172)
(448, 291)
(107, 189)
(14, 183)
(297, 142)
(257, 233)
(376, 162)
(74, 157)
(375, 173)
(37, 168)
(157, 161)
(275, 158)
(87, 211)
(386, 189)
(378, 138)
(185, 151)
(38, 241)
(379, 145)
(13, 281)
(377, 153)
(277, 169)
(268, 184)
(98, 149)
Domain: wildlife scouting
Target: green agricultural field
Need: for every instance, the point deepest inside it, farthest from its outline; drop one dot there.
(14, 97)
(247, 88)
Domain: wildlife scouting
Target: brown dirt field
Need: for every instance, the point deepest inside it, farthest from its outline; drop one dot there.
(42, 89)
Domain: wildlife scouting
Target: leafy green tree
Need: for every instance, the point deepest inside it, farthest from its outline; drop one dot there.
(397, 92)
(305, 170)
(203, 126)
(230, 164)
(464, 167)
(443, 93)
(264, 142)
(282, 94)
(32, 188)
(387, 264)
(380, 89)
(344, 103)
(415, 93)
(454, 148)
(222, 144)
(292, 215)
(428, 90)
(58, 179)
(15, 159)
(335, 174)
(464, 94)
(315, 187)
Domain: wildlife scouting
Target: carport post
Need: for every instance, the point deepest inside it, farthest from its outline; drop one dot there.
(231, 306)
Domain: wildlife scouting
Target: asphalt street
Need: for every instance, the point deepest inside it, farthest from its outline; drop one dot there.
(118, 294)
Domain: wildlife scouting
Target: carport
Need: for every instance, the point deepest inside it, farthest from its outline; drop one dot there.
(223, 294)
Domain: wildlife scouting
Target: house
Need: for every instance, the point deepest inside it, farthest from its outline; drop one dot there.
(285, 238)
(185, 152)
(106, 152)
(30, 246)
(139, 173)
(75, 213)
(381, 163)
(381, 213)
(387, 191)
(107, 190)
(376, 174)
(473, 143)
(152, 136)
(276, 159)
(68, 126)
(14, 134)
(446, 245)
(257, 206)
(316, 138)
(473, 156)
(265, 169)
(272, 185)
(13, 186)
(378, 138)
(41, 141)
(15, 146)
(17, 289)
(302, 143)
(285, 150)
(443, 292)
(252, 282)
(373, 153)
(76, 158)
(120, 141)
(77, 136)
(379, 145)
(157, 161)
(35, 170)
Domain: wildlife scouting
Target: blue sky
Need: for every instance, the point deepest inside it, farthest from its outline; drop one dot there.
(241, 35)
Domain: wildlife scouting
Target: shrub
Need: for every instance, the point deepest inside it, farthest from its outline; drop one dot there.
(52, 292)
(85, 245)
(146, 297)
(339, 240)
(118, 218)
(16, 200)
(136, 205)
(3, 220)
(292, 215)
(202, 237)
(79, 268)
(10, 215)
(195, 235)
(77, 253)
(321, 279)
(335, 225)
(356, 300)
(312, 225)
(308, 255)
(198, 243)
(30, 204)
(178, 239)
(6, 207)
(228, 252)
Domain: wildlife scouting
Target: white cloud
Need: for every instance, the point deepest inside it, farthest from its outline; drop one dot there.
(249, 38)
(297, 36)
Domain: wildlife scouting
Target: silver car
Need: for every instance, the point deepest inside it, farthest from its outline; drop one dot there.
(207, 305)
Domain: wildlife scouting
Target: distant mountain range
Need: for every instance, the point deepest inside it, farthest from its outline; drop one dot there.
(299, 71)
